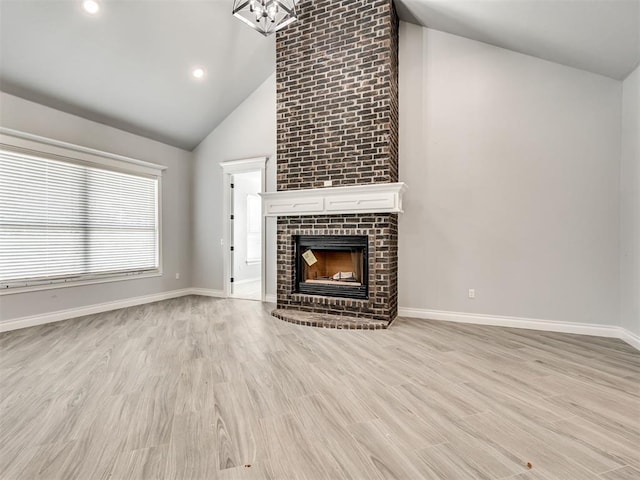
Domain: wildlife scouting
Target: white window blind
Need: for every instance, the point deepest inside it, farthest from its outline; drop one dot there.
(63, 221)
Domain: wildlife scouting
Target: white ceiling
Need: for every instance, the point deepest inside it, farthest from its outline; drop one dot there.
(129, 66)
(600, 36)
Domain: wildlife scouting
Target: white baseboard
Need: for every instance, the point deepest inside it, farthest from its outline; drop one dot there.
(611, 331)
(57, 316)
(270, 298)
(207, 292)
(630, 337)
(33, 320)
(515, 322)
(479, 319)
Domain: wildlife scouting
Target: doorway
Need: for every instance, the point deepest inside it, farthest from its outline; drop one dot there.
(246, 235)
(244, 228)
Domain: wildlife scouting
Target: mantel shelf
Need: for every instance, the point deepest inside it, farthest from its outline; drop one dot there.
(370, 198)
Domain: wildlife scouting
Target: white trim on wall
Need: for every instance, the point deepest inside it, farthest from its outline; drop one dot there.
(51, 317)
(207, 292)
(610, 331)
(629, 337)
(78, 283)
(27, 142)
(471, 318)
(229, 168)
(372, 198)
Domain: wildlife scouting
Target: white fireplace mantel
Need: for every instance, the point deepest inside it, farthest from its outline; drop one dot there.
(370, 198)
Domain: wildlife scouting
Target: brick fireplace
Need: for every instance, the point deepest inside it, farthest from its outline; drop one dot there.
(337, 127)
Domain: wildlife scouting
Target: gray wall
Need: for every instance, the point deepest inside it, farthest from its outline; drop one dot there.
(250, 131)
(516, 187)
(29, 117)
(630, 204)
(513, 168)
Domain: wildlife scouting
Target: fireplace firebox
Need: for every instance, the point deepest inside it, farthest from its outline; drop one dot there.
(332, 266)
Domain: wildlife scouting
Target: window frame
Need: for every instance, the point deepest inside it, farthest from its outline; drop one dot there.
(27, 144)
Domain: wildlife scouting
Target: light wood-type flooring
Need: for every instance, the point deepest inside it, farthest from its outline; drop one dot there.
(202, 388)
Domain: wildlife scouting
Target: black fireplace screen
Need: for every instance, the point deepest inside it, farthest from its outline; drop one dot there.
(332, 265)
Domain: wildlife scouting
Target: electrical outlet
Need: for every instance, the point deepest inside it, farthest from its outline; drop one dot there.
(472, 293)
(177, 276)
(328, 183)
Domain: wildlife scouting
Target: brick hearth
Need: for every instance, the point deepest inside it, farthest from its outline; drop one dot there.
(337, 108)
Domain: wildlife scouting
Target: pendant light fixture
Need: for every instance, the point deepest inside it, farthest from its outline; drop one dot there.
(265, 16)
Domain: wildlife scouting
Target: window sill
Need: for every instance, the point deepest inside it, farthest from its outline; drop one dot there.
(77, 283)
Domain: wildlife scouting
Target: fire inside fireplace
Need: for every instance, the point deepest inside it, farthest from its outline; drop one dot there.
(332, 265)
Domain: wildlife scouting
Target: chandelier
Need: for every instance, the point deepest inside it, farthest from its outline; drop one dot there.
(265, 16)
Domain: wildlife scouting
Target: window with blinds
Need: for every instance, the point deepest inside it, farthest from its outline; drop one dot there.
(63, 221)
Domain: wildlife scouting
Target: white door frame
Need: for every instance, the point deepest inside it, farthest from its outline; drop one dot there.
(228, 169)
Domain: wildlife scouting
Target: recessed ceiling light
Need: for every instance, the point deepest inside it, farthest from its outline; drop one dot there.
(198, 72)
(91, 6)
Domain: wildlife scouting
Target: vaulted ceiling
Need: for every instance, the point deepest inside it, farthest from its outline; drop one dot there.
(600, 36)
(130, 65)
